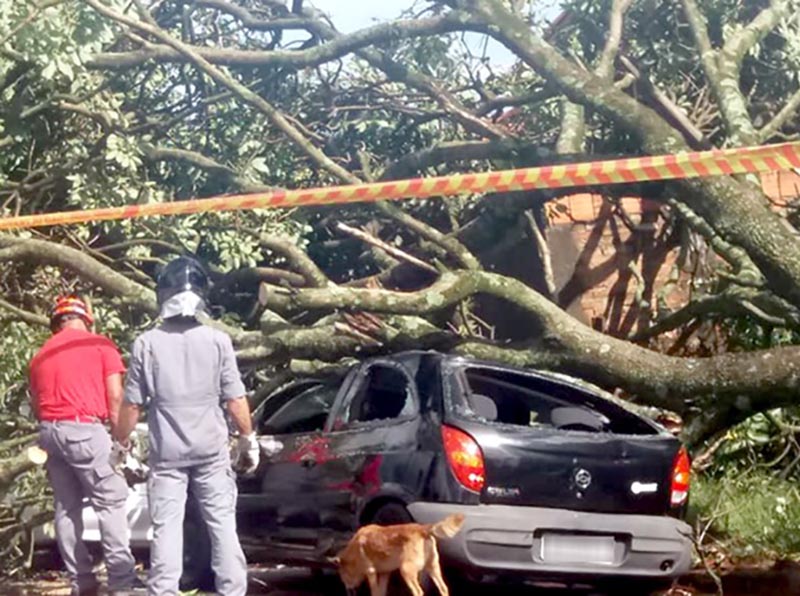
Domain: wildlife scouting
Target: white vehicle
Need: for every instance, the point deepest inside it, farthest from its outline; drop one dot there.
(138, 513)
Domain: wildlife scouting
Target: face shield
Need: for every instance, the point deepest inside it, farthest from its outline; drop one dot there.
(182, 288)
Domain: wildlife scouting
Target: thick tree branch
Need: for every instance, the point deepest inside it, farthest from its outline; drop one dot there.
(786, 113)
(736, 384)
(605, 65)
(328, 343)
(203, 162)
(254, 23)
(23, 315)
(452, 151)
(331, 50)
(449, 243)
(572, 134)
(279, 120)
(387, 248)
(734, 255)
(697, 23)
(255, 275)
(12, 468)
(42, 252)
(738, 212)
(722, 66)
(396, 71)
(571, 138)
(245, 94)
(545, 256)
(735, 302)
(298, 260)
(722, 72)
(744, 40)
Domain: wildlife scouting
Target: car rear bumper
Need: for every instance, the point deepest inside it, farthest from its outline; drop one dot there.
(501, 539)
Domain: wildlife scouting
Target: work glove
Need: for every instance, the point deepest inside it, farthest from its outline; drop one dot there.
(270, 445)
(119, 454)
(247, 454)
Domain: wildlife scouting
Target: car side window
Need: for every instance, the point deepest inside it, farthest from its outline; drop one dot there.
(384, 394)
(276, 400)
(304, 413)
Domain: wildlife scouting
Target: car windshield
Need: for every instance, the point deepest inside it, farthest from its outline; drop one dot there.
(507, 397)
(299, 409)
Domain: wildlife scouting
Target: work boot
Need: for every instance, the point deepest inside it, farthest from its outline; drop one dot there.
(136, 589)
(85, 586)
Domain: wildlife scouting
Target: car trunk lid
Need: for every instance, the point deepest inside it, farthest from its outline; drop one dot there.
(576, 470)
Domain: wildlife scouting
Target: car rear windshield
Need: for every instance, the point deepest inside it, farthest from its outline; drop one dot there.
(498, 396)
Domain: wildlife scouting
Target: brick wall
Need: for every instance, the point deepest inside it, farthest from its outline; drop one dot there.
(623, 258)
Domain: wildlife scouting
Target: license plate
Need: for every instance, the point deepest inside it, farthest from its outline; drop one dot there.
(569, 548)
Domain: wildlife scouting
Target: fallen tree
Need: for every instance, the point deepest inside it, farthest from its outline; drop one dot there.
(161, 101)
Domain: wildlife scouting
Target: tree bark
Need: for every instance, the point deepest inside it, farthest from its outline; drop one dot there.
(712, 392)
(738, 211)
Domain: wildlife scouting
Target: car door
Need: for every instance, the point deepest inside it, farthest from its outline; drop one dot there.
(370, 439)
(276, 509)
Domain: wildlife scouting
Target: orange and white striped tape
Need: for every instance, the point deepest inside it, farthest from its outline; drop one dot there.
(768, 158)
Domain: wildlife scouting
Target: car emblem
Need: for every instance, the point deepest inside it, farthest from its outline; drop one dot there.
(640, 488)
(582, 479)
(502, 491)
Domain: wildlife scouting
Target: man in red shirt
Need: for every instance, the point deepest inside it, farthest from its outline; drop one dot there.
(76, 387)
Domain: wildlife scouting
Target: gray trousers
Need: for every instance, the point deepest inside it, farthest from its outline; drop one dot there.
(77, 467)
(213, 485)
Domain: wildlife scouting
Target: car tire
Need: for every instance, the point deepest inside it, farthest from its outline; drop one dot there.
(393, 513)
(47, 559)
(390, 514)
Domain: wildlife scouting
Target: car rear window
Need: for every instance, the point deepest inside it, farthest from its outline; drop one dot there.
(498, 396)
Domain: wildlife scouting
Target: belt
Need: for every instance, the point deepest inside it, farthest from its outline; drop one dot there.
(78, 418)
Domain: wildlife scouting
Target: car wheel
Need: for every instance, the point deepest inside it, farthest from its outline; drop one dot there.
(47, 558)
(390, 514)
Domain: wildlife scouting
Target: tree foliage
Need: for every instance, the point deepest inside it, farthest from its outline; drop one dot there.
(108, 103)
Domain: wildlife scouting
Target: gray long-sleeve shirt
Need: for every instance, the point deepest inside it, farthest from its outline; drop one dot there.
(184, 371)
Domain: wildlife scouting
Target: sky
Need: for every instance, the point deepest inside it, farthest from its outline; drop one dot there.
(350, 15)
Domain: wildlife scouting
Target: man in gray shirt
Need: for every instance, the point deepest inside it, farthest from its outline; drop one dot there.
(185, 373)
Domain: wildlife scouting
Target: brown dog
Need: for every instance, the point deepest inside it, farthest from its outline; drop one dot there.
(375, 551)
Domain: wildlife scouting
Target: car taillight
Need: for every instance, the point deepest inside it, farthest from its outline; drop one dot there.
(465, 458)
(681, 476)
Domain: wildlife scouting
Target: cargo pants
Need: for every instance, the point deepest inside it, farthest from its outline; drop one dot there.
(213, 485)
(77, 467)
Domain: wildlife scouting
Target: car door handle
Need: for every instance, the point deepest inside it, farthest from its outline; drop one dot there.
(308, 461)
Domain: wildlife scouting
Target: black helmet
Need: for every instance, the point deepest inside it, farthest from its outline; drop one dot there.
(180, 275)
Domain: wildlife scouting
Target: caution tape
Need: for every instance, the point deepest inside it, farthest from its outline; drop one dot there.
(768, 158)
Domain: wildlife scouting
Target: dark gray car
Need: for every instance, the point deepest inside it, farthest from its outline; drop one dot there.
(556, 480)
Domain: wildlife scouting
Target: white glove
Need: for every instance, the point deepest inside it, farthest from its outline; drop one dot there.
(247, 454)
(270, 445)
(118, 455)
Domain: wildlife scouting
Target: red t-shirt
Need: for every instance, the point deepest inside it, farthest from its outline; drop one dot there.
(68, 374)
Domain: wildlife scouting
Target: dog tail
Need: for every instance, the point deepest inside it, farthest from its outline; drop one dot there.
(448, 527)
